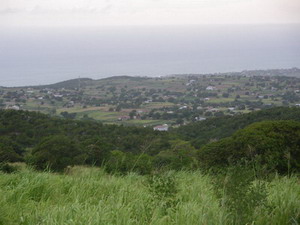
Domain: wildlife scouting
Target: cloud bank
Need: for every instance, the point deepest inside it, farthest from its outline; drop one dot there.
(146, 12)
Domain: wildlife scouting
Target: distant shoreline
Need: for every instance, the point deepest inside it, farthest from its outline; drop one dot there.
(279, 72)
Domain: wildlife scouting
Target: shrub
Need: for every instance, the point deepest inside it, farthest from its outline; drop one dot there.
(6, 168)
(123, 163)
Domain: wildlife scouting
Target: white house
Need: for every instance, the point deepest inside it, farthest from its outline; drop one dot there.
(164, 127)
(210, 88)
(14, 107)
(200, 118)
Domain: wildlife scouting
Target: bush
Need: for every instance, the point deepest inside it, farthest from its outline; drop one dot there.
(6, 168)
(181, 155)
(123, 163)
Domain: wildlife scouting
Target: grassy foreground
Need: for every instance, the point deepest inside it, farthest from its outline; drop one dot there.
(91, 196)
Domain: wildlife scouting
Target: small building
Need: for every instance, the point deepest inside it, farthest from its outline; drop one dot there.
(190, 82)
(164, 127)
(123, 118)
(200, 118)
(183, 107)
(210, 88)
(14, 107)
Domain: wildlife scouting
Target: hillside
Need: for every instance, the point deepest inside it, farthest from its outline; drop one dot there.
(119, 174)
(202, 132)
(40, 139)
(69, 84)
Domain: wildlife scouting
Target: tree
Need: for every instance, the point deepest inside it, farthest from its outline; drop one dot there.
(7, 154)
(56, 153)
(97, 151)
(132, 114)
(9, 150)
(181, 155)
(225, 95)
(274, 144)
(68, 115)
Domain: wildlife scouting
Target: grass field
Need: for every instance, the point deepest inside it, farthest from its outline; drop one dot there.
(220, 100)
(146, 122)
(91, 196)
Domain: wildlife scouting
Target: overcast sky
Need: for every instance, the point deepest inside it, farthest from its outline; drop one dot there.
(146, 12)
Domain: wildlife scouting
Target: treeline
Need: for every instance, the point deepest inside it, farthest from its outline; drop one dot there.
(213, 129)
(55, 144)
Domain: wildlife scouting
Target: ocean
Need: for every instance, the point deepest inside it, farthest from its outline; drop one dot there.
(36, 56)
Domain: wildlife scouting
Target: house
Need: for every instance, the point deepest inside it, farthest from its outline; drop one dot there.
(164, 127)
(14, 107)
(122, 118)
(210, 88)
(58, 96)
(212, 110)
(190, 82)
(200, 118)
(183, 107)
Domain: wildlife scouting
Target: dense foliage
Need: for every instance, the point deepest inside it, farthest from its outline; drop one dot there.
(203, 132)
(22, 131)
(55, 143)
(56, 153)
(273, 144)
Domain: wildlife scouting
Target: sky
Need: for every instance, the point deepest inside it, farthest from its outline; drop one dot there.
(82, 13)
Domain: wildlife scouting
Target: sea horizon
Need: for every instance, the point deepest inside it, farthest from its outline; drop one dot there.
(45, 56)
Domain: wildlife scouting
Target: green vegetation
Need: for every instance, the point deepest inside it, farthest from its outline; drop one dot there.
(56, 153)
(272, 144)
(55, 143)
(90, 196)
(239, 170)
(213, 129)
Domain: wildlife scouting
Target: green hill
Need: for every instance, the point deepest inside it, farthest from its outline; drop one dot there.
(44, 141)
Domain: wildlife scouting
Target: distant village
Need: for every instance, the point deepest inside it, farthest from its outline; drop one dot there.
(159, 102)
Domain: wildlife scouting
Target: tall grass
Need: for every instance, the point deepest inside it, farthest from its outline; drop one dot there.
(91, 196)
